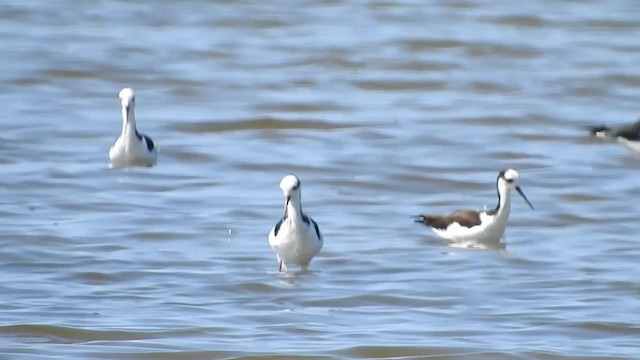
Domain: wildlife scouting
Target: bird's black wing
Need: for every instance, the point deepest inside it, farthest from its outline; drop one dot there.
(150, 144)
(310, 222)
(277, 228)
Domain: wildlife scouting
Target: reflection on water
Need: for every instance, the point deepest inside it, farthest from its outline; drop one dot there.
(473, 244)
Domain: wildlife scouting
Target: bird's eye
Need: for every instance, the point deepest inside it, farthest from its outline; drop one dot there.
(509, 181)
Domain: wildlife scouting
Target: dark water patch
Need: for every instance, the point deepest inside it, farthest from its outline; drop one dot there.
(624, 48)
(508, 155)
(621, 79)
(279, 167)
(189, 156)
(95, 277)
(269, 23)
(413, 352)
(265, 123)
(212, 355)
(575, 219)
(300, 107)
(609, 328)
(462, 4)
(336, 60)
(546, 137)
(490, 120)
(608, 24)
(492, 50)
(69, 335)
(587, 139)
(80, 134)
(586, 90)
(31, 81)
(581, 197)
(400, 85)
(487, 87)
(361, 184)
(422, 66)
(101, 277)
(431, 182)
(183, 86)
(386, 4)
(519, 20)
(364, 301)
(626, 285)
(69, 73)
(548, 355)
(159, 235)
(430, 44)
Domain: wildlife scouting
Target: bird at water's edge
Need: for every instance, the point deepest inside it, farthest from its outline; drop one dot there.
(131, 148)
(296, 238)
(481, 226)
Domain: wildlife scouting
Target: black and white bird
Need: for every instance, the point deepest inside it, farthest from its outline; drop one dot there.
(296, 238)
(131, 148)
(628, 135)
(480, 226)
(629, 131)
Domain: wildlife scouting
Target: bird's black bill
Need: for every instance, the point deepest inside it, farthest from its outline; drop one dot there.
(524, 197)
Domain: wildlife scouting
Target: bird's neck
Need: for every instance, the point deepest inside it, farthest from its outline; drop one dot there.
(294, 210)
(504, 203)
(128, 121)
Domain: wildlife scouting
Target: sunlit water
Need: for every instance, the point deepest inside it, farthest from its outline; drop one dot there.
(384, 109)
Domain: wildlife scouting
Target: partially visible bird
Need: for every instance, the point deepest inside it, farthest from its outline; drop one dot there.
(296, 238)
(131, 148)
(629, 132)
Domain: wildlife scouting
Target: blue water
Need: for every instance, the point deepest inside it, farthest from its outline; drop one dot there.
(384, 109)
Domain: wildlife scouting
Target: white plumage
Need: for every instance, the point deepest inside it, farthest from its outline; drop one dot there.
(634, 146)
(296, 238)
(131, 148)
(491, 228)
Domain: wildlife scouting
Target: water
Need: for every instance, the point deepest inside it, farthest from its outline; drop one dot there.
(384, 109)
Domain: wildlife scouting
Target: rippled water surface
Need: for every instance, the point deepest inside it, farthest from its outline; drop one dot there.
(384, 109)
